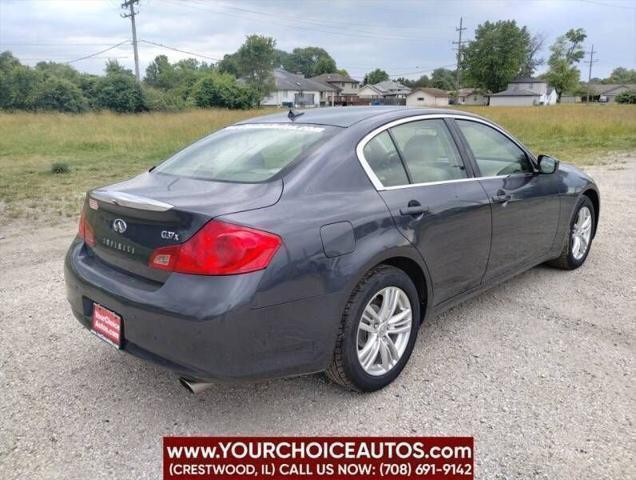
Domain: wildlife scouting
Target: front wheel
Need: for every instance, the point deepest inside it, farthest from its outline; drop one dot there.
(378, 330)
(580, 236)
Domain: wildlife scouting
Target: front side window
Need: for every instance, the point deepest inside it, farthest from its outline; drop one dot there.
(494, 153)
(384, 160)
(429, 151)
(246, 153)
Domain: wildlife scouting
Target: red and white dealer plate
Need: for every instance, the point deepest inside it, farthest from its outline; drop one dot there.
(106, 325)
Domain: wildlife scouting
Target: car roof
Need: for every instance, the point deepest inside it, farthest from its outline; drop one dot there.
(347, 116)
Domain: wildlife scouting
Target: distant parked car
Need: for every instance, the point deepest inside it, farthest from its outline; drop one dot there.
(287, 245)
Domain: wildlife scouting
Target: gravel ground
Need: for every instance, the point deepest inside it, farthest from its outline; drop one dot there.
(539, 371)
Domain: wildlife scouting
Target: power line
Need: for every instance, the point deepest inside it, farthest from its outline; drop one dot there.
(459, 42)
(98, 53)
(591, 62)
(67, 45)
(130, 5)
(421, 71)
(605, 4)
(296, 24)
(52, 59)
(306, 20)
(157, 44)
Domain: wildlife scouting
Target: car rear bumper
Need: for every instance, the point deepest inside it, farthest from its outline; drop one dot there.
(205, 328)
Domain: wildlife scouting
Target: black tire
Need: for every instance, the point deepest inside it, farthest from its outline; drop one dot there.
(566, 260)
(345, 369)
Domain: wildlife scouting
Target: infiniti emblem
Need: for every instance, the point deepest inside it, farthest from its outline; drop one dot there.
(119, 225)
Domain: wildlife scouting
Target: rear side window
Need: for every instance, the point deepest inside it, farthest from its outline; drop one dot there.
(494, 153)
(247, 153)
(383, 158)
(429, 151)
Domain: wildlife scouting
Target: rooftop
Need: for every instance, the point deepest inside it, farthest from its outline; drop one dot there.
(285, 80)
(516, 92)
(389, 86)
(528, 80)
(436, 92)
(334, 77)
(608, 88)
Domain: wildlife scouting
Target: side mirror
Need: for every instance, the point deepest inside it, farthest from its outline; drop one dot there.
(548, 164)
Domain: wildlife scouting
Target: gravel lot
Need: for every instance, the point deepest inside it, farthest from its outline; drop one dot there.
(539, 371)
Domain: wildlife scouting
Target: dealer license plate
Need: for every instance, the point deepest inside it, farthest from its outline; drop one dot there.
(106, 325)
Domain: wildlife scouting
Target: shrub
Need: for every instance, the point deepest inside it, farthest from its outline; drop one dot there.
(221, 90)
(120, 93)
(163, 101)
(61, 95)
(59, 168)
(626, 97)
(18, 88)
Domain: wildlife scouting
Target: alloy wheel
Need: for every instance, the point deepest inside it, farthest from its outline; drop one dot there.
(581, 233)
(384, 331)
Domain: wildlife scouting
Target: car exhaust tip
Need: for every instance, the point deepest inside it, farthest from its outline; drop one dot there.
(193, 386)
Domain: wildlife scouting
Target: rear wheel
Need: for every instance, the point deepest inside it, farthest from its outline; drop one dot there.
(378, 331)
(580, 236)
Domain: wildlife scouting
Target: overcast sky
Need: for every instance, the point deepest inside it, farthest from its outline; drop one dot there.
(404, 37)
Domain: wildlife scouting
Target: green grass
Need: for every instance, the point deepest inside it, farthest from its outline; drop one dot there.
(97, 149)
(101, 148)
(581, 134)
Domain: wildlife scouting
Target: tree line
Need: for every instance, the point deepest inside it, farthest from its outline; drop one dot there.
(239, 81)
(500, 52)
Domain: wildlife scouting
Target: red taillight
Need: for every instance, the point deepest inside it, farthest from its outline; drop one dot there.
(85, 230)
(219, 249)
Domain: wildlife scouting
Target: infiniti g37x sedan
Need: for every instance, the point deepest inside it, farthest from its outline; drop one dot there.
(300, 243)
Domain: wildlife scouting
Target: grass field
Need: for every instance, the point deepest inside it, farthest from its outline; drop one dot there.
(100, 148)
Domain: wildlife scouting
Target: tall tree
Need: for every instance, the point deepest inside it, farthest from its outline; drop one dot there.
(376, 76)
(325, 65)
(114, 67)
(567, 52)
(255, 62)
(443, 78)
(229, 64)
(622, 75)
(423, 81)
(310, 61)
(497, 55)
(160, 73)
(532, 60)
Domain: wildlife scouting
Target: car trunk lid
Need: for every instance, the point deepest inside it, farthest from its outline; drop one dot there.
(133, 218)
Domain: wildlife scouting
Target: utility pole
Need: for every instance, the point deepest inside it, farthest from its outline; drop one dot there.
(459, 42)
(130, 6)
(591, 61)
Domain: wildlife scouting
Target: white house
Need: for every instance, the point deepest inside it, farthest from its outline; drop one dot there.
(294, 90)
(471, 96)
(524, 92)
(386, 92)
(606, 93)
(345, 88)
(427, 97)
(391, 89)
(370, 92)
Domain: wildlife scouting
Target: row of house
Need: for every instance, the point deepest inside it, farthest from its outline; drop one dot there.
(601, 92)
(294, 90)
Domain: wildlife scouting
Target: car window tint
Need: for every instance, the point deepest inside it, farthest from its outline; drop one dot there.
(246, 153)
(494, 153)
(383, 158)
(428, 151)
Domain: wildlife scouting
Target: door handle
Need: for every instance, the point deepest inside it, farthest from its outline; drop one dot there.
(501, 197)
(414, 209)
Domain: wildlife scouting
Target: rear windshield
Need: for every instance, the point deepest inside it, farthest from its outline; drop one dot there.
(246, 153)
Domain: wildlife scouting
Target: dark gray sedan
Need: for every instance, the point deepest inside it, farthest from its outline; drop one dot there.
(292, 244)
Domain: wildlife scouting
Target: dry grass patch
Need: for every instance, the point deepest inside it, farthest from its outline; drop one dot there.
(94, 149)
